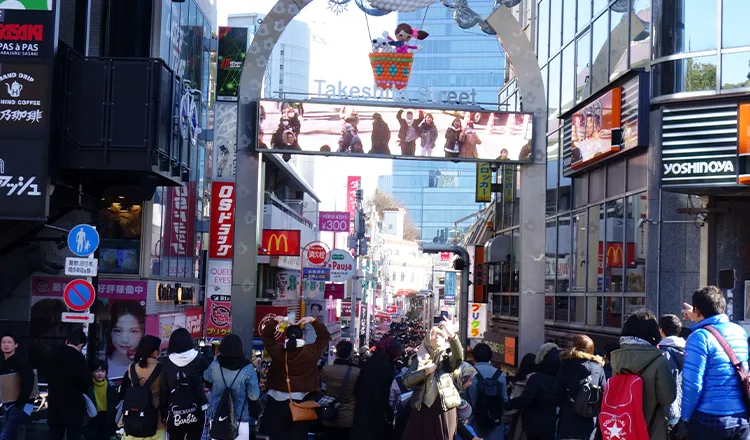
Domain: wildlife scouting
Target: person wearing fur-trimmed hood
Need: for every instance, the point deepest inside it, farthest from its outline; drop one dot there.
(579, 365)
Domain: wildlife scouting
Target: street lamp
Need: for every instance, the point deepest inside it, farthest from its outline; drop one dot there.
(463, 310)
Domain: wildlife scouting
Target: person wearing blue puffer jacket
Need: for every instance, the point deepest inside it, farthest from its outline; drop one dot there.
(712, 401)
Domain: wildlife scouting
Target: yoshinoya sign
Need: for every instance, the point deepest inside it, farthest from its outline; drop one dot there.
(26, 33)
(702, 170)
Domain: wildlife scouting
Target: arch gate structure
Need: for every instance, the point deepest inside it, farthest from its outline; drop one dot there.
(248, 204)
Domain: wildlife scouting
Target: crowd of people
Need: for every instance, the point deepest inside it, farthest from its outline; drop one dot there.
(414, 384)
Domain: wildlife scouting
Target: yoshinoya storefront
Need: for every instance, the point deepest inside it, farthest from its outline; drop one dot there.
(705, 157)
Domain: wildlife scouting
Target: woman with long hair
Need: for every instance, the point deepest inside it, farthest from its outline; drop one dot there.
(232, 371)
(182, 383)
(453, 138)
(146, 365)
(431, 377)
(128, 319)
(292, 376)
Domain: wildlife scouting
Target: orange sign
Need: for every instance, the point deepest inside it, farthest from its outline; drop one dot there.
(510, 350)
(280, 242)
(743, 143)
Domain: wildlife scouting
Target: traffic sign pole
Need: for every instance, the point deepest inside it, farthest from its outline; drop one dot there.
(83, 241)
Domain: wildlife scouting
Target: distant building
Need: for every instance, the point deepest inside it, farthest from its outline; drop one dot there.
(289, 67)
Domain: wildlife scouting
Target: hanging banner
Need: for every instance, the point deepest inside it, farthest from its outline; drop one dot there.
(230, 57)
(180, 221)
(450, 288)
(221, 236)
(483, 192)
(508, 172)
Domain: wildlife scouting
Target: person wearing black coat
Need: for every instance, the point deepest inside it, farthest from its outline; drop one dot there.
(381, 135)
(66, 385)
(12, 363)
(578, 366)
(539, 401)
(184, 365)
(373, 416)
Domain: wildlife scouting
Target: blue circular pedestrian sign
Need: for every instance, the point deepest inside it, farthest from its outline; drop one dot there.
(83, 240)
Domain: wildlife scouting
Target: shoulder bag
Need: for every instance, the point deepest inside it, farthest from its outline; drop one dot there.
(303, 411)
(329, 410)
(742, 374)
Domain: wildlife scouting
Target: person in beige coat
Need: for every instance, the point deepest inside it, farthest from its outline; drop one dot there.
(335, 378)
(146, 355)
(469, 141)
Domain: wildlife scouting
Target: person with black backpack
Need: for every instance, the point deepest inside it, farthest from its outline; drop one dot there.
(182, 383)
(234, 384)
(580, 387)
(487, 396)
(140, 392)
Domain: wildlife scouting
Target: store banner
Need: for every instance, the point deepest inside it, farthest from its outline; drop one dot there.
(353, 183)
(218, 315)
(179, 221)
(27, 34)
(221, 235)
(477, 320)
(233, 42)
(483, 191)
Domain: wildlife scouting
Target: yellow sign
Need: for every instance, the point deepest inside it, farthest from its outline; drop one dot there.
(277, 239)
(484, 183)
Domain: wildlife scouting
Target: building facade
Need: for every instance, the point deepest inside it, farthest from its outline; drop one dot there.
(644, 138)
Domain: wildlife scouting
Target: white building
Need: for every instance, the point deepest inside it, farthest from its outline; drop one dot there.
(288, 71)
(406, 268)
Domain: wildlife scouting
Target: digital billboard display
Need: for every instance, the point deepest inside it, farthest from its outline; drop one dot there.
(592, 129)
(377, 130)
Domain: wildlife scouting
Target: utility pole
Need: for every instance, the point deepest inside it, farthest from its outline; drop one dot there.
(359, 243)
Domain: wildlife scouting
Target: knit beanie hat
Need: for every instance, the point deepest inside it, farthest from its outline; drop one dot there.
(464, 410)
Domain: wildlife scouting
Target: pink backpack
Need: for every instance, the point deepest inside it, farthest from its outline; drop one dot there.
(621, 417)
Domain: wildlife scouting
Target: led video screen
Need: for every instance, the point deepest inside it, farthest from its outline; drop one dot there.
(334, 129)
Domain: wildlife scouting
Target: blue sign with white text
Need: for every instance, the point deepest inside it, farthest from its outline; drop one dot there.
(316, 273)
(83, 240)
(450, 287)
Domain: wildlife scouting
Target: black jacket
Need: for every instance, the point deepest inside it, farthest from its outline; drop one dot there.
(404, 126)
(18, 364)
(67, 383)
(576, 366)
(91, 433)
(538, 402)
(373, 416)
(194, 370)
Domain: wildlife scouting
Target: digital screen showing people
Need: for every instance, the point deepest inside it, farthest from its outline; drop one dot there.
(592, 129)
(335, 129)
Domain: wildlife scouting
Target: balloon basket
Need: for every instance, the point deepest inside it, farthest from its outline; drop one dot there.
(391, 70)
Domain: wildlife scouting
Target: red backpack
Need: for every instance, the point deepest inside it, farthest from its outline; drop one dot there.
(621, 417)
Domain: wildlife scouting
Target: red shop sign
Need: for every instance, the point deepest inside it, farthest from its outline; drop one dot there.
(180, 221)
(194, 321)
(221, 241)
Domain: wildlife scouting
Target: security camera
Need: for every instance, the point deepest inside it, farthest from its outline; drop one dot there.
(701, 217)
(641, 223)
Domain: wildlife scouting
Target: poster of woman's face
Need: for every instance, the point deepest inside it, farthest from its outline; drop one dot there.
(128, 321)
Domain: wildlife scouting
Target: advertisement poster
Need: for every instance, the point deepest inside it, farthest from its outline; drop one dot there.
(219, 277)
(218, 316)
(221, 235)
(477, 320)
(120, 311)
(230, 58)
(334, 221)
(224, 152)
(483, 193)
(353, 183)
(592, 128)
(287, 284)
(459, 136)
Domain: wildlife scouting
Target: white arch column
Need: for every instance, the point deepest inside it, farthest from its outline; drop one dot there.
(248, 176)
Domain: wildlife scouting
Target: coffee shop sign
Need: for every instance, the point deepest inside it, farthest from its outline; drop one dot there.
(422, 95)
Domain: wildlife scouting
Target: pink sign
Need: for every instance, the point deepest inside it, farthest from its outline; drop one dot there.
(107, 289)
(334, 221)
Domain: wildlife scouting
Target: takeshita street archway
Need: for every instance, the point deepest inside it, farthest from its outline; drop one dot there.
(248, 206)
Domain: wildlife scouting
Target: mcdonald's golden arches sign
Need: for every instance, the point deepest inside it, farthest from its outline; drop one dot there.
(280, 242)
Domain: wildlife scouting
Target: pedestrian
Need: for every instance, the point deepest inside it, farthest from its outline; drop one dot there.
(580, 372)
(487, 427)
(713, 403)
(373, 417)
(348, 132)
(182, 383)
(232, 372)
(538, 402)
(639, 355)
(608, 349)
(66, 386)
(103, 393)
(435, 399)
(340, 379)
(512, 418)
(292, 376)
(146, 370)
(408, 132)
(381, 135)
(428, 134)
(673, 347)
(465, 431)
(453, 138)
(469, 141)
(17, 411)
